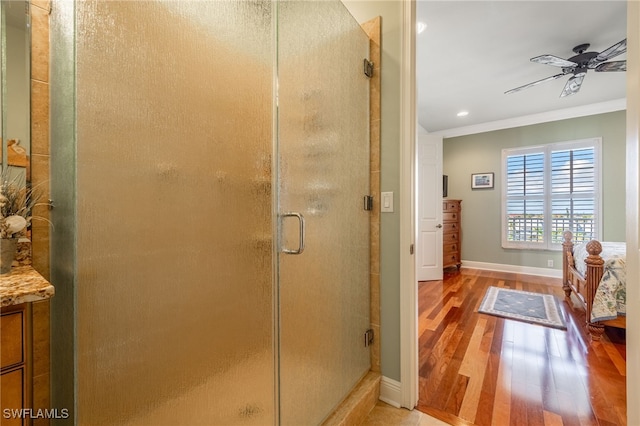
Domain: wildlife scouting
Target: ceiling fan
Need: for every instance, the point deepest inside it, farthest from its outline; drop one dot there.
(578, 65)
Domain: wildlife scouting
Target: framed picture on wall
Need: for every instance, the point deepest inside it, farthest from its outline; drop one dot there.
(482, 181)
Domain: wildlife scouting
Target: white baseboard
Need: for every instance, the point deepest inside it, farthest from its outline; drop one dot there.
(390, 391)
(528, 270)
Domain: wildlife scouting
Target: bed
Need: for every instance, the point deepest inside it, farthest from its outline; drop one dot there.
(595, 272)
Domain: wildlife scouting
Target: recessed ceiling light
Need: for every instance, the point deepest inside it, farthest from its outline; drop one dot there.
(463, 113)
(420, 27)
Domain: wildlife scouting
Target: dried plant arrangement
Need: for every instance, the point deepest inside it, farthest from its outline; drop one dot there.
(16, 206)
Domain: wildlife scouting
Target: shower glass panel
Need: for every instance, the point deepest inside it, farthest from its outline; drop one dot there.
(179, 185)
(174, 317)
(323, 157)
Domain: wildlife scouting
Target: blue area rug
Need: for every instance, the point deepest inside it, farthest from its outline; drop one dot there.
(525, 306)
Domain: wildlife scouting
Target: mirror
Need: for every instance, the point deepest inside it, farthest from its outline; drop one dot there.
(16, 90)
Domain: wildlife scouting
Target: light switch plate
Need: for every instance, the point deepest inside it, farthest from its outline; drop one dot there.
(386, 202)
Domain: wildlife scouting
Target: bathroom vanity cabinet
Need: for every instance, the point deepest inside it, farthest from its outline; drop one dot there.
(20, 291)
(14, 384)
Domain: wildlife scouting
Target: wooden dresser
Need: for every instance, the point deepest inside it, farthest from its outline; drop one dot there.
(451, 233)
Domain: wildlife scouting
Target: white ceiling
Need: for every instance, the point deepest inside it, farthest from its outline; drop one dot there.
(473, 51)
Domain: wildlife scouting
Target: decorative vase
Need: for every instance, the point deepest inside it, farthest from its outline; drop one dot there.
(7, 254)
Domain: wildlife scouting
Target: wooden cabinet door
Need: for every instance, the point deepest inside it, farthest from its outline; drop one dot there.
(12, 397)
(11, 342)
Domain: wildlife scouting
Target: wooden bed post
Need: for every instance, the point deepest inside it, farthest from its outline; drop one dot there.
(567, 250)
(595, 269)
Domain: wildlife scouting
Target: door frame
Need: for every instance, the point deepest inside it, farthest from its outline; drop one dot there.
(408, 283)
(633, 209)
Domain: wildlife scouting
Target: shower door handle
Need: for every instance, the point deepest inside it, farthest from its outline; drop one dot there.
(300, 248)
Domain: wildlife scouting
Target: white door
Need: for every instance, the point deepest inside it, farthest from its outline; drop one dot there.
(429, 206)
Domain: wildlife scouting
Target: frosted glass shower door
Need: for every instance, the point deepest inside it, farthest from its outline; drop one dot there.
(323, 146)
(174, 140)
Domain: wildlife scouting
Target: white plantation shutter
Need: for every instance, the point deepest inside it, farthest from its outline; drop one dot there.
(573, 197)
(549, 189)
(525, 197)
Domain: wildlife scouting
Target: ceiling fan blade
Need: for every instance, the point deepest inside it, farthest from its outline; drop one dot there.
(617, 49)
(612, 66)
(535, 83)
(553, 60)
(572, 86)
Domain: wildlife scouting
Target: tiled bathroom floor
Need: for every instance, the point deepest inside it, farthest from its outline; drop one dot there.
(387, 415)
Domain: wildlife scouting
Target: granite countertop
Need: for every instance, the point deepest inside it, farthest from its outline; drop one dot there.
(23, 284)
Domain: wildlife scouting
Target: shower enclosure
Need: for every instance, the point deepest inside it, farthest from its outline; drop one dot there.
(211, 246)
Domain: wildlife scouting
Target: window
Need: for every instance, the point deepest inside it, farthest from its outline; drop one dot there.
(549, 189)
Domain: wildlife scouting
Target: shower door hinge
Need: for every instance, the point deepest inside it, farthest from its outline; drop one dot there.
(368, 337)
(368, 202)
(368, 68)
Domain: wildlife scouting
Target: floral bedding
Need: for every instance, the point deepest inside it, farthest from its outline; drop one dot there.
(611, 295)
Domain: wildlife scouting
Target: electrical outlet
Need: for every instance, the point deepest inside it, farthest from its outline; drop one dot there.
(550, 263)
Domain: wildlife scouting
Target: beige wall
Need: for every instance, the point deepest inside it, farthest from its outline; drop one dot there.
(483, 153)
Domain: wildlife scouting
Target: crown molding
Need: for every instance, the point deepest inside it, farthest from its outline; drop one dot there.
(544, 117)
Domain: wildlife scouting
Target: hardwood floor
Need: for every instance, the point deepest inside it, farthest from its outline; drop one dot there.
(478, 369)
